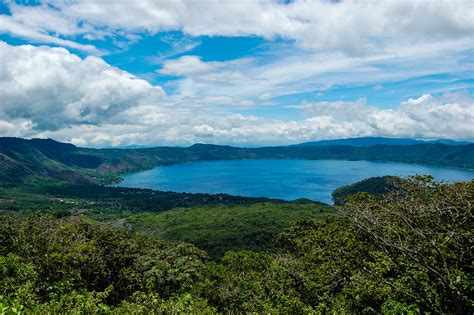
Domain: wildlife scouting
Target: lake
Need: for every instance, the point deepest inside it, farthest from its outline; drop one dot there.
(278, 178)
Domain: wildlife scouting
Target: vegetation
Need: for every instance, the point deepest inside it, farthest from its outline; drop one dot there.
(56, 265)
(51, 195)
(408, 251)
(70, 245)
(429, 225)
(371, 141)
(374, 185)
(214, 222)
(219, 229)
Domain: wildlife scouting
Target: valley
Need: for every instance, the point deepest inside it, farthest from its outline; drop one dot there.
(64, 201)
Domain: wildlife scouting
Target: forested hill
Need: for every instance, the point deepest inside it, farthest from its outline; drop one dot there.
(370, 141)
(21, 158)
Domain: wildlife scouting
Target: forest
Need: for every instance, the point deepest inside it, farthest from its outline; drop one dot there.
(408, 250)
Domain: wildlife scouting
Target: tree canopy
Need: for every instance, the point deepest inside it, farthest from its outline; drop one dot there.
(407, 251)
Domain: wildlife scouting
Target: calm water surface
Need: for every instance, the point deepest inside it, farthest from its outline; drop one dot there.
(278, 178)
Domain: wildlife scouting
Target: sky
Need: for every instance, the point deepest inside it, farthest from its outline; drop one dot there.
(249, 73)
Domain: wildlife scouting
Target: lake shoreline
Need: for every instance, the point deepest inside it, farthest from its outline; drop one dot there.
(224, 184)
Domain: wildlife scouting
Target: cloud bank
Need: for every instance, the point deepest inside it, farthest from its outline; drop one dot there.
(50, 92)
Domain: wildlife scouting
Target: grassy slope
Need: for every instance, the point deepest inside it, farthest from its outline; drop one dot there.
(222, 228)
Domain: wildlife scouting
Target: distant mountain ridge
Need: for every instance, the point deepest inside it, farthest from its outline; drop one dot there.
(21, 159)
(43, 157)
(370, 141)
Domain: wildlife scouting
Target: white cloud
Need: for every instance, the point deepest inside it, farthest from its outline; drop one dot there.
(348, 25)
(352, 27)
(297, 72)
(187, 65)
(16, 127)
(54, 88)
(340, 43)
(49, 92)
(10, 26)
(449, 116)
(46, 20)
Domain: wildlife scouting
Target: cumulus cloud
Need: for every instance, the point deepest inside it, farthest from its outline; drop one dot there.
(425, 117)
(54, 89)
(428, 117)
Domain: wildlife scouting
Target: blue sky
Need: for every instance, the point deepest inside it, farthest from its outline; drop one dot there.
(245, 73)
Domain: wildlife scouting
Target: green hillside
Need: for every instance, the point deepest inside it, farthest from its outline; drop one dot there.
(45, 158)
(214, 222)
(373, 185)
(219, 229)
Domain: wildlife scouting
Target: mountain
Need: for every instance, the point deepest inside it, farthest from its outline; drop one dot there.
(21, 158)
(370, 141)
(450, 142)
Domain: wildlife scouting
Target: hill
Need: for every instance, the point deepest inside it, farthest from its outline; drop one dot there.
(20, 158)
(372, 185)
(370, 141)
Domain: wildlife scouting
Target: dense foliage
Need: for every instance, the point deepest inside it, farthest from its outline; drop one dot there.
(214, 222)
(56, 265)
(222, 228)
(408, 251)
(50, 194)
(374, 186)
(426, 227)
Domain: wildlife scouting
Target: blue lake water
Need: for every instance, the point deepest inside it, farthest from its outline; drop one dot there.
(278, 178)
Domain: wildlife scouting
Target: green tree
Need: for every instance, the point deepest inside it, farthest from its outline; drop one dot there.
(426, 228)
